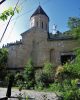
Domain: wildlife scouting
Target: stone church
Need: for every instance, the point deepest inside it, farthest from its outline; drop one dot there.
(40, 45)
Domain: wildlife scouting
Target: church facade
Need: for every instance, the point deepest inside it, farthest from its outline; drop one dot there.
(39, 45)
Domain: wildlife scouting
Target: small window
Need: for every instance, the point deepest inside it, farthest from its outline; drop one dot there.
(42, 25)
(46, 26)
(52, 55)
(37, 24)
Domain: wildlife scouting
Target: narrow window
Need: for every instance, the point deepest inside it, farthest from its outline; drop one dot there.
(46, 26)
(37, 24)
(52, 55)
(42, 25)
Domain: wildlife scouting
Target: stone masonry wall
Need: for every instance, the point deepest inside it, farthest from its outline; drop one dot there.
(35, 45)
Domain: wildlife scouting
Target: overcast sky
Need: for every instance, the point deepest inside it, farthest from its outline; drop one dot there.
(58, 11)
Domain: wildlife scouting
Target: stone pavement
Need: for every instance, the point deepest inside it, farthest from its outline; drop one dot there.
(30, 93)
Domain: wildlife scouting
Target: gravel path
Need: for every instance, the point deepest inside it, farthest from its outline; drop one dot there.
(31, 93)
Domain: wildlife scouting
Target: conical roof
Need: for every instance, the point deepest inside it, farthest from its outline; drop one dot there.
(39, 10)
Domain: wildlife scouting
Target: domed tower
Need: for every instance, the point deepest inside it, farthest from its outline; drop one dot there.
(39, 19)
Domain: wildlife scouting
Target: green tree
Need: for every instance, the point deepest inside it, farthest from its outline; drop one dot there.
(3, 62)
(73, 67)
(29, 74)
(73, 22)
(74, 25)
(69, 73)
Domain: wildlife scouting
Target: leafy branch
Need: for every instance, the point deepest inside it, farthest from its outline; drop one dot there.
(9, 12)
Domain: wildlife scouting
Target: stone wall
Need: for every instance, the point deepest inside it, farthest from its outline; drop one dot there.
(37, 46)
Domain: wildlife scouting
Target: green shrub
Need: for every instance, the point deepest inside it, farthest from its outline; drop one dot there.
(71, 91)
(3, 63)
(42, 80)
(19, 80)
(45, 77)
(49, 69)
(29, 75)
(55, 87)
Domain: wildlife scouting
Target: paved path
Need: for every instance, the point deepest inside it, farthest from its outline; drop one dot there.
(3, 92)
(31, 93)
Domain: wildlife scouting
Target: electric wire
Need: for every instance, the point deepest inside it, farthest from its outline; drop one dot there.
(22, 2)
(8, 35)
(21, 15)
(8, 22)
(11, 30)
(28, 11)
(14, 22)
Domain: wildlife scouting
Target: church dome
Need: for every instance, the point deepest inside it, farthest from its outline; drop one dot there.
(39, 10)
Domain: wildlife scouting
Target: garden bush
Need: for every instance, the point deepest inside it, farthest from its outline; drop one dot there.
(29, 76)
(46, 76)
